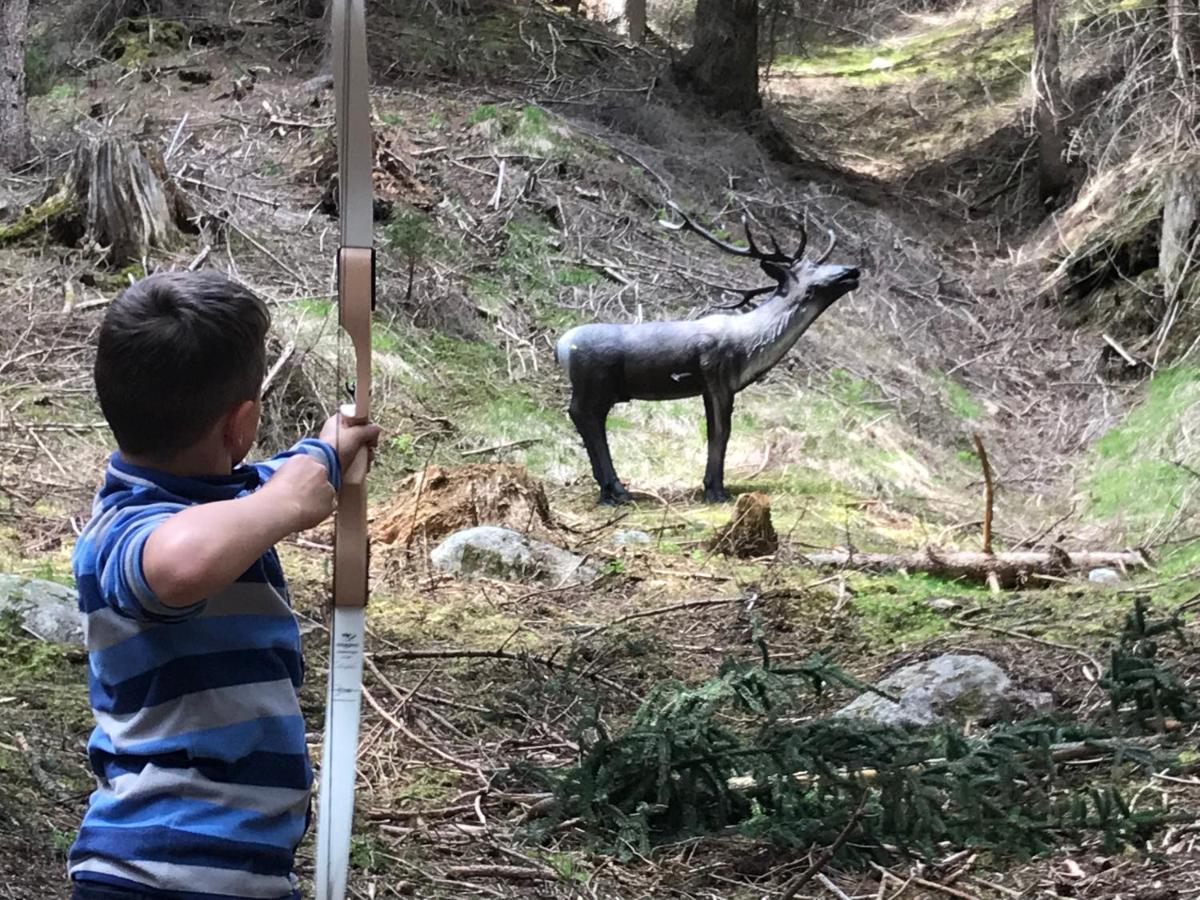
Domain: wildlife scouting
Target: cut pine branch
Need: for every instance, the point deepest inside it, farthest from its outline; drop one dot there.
(1008, 569)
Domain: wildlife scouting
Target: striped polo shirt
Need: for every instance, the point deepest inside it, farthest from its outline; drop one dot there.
(201, 766)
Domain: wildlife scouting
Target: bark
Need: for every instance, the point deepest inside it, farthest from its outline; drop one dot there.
(1009, 569)
(722, 65)
(750, 532)
(116, 198)
(635, 17)
(14, 125)
(1185, 35)
(1049, 101)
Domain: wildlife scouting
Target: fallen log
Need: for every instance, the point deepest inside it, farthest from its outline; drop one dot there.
(1011, 570)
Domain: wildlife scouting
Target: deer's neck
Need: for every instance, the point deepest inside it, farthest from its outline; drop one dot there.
(771, 331)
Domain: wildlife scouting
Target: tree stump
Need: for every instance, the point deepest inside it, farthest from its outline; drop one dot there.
(117, 197)
(750, 531)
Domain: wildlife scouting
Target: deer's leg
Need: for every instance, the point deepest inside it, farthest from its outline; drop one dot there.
(718, 414)
(590, 420)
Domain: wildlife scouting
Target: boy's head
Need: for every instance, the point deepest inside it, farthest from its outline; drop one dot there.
(179, 352)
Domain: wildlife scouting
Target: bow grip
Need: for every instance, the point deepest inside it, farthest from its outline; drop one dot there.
(356, 289)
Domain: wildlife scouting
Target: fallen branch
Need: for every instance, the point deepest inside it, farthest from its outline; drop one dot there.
(1012, 569)
(1059, 753)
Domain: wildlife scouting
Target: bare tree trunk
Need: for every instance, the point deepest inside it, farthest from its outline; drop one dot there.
(635, 16)
(722, 66)
(14, 125)
(1049, 102)
(1185, 35)
(1009, 569)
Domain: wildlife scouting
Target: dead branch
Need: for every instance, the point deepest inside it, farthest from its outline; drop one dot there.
(1012, 569)
(988, 493)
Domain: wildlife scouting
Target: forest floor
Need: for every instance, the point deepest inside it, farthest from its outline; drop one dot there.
(527, 158)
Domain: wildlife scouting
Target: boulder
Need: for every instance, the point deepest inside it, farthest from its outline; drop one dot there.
(956, 686)
(630, 537)
(1104, 576)
(45, 609)
(509, 555)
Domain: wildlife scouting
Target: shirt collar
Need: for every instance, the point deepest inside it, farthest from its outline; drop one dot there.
(124, 474)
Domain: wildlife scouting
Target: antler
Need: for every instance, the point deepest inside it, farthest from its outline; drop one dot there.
(828, 250)
(751, 251)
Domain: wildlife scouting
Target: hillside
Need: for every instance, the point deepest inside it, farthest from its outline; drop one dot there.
(526, 158)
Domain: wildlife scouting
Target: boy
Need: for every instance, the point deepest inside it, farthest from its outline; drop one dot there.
(202, 770)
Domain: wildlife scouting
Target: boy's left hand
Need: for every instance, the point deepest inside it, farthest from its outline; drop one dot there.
(348, 439)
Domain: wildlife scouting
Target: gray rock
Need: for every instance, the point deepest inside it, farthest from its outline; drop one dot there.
(1104, 576)
(630, 537)
(959, 687)
(45, 609)
(944, 604)
(502, 553)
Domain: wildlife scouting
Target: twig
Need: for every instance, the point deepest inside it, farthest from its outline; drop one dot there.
(425, 745)
(988, 492)
(506, 446)
(1007, 632)
(284, 356)
(508, 657)
(662, 611)
(790, 890)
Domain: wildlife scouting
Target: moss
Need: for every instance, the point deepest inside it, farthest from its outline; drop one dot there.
(134, 41)
(895, 610)
(958, 399)
(313, 307)
(483, 113)
(1142, 470)
(58, 205)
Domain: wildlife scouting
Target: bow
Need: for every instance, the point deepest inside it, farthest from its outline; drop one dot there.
(356, 300)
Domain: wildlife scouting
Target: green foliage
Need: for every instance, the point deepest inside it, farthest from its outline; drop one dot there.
(369, 854)
(1140, 469)
(483, 114)
(1141, 692)
(411, 233)
(667, 776)
(40, 70)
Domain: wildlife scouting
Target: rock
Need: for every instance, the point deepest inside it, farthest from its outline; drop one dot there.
(944, 604)
(1104, 576)
(506, 554)
(960, 687)
(45, 609)
(630, 537)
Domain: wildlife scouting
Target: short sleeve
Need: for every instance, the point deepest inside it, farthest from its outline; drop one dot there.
(120, 571)
(317, 449)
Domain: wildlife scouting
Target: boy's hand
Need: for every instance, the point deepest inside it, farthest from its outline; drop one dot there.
(348, 439)
(301, 486)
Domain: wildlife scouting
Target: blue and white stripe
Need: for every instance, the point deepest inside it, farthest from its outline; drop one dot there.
(202, 771)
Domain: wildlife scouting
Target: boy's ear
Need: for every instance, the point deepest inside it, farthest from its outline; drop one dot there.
(241, 428)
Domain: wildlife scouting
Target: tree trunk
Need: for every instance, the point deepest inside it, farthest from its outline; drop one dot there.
(1185, 35)
(14, 126)
(635, 17)
(1009, 569)
(722, 66)
(1049, 103)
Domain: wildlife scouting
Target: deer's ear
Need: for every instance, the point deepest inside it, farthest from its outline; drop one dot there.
(780, 272)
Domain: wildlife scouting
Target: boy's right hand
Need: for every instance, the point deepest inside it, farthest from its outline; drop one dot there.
(301, 485)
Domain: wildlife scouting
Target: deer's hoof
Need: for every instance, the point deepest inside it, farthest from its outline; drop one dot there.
(716, 495)
(615, 496)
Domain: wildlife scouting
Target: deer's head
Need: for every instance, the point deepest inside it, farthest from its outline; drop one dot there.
(798, 280)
